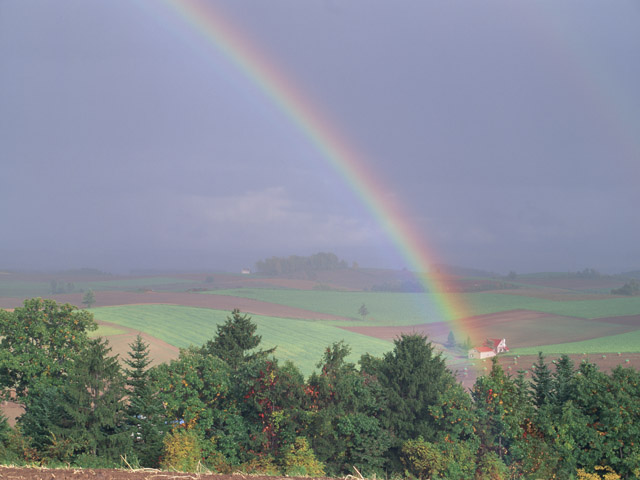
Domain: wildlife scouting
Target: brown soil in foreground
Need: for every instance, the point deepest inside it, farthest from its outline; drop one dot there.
(15, 473)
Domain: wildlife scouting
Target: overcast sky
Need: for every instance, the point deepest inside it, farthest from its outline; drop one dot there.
(508, 131)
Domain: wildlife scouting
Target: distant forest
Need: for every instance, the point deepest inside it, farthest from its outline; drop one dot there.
(296, 264)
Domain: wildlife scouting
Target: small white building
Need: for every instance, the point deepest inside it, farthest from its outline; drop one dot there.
(499, 345)
(245, 271)
(481, 353)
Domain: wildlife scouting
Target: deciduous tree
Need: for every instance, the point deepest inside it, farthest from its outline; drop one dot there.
(39, 343)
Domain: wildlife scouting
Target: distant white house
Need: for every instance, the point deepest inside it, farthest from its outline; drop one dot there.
(491, 348)
(499, 345)
(245, 271)
(480, 353)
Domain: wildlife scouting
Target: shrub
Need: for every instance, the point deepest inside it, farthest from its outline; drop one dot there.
(263, 465)
(182, 451)
(602, 473)
(422, 459)
(438, 460)
(299, 460)
(491, 467)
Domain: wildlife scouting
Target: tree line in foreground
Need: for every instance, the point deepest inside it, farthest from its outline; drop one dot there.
(230, 406)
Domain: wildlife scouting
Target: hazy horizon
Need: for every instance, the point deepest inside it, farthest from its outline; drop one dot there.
(508, 132)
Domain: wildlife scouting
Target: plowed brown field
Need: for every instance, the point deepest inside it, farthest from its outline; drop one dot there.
(521, 328)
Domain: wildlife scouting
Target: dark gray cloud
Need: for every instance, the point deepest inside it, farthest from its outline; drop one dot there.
(509, 131)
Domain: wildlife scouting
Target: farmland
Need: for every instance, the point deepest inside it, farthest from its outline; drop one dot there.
(301, 315)
(300, 341)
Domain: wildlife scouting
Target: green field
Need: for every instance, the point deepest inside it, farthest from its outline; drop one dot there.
(387, 309)
(301, 341)
(624, 343)
(105, 330)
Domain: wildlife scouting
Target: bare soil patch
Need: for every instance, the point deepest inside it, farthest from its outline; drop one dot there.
(15, 473)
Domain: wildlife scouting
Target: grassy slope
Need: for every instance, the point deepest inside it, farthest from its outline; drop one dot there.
(300, 341)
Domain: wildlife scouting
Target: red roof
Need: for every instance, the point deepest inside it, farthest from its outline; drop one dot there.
(484, 349)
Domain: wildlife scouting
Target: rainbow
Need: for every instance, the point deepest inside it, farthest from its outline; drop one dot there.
(219, 32)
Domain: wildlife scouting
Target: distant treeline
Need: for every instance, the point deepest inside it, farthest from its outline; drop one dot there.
(230, 406)
(295, 264)
(631, 288)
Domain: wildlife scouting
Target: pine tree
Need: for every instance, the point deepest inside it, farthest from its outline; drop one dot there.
(234, 339)
(143, 411)
(562, 382)
(542, 382)
(412, 378)
(92, 400)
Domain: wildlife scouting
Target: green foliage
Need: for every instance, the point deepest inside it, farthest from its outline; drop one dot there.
(39, 343)
(83, 415)
(234, 340)
(425, 460)
(491, 467)
(363, 311)
(271, 399)
(193, 390)
(412, 378)
(504, 411)
(182, 451)
(144, 410)
(299, 460)
(542, 382)
(343, 424)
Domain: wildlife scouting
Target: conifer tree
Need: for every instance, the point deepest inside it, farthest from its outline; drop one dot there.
(92, 400)
(563, 380)
(412, 378)
(542, 382)
(235, 339)
(144, 409)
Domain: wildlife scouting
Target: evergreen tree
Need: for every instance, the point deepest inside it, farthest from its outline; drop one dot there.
(563, 378)
(234, 339)
(451, 339)
(93, 402)
(542, 382)
(412, 378)
(85, 415)
(144, 410)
